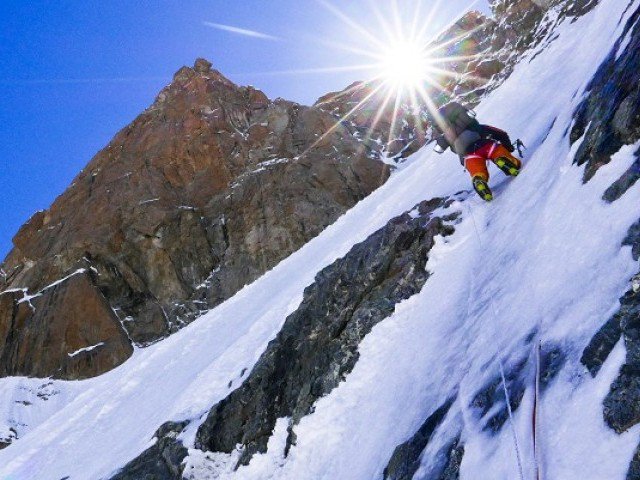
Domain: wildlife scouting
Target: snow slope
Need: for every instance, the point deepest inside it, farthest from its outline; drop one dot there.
(546, 254)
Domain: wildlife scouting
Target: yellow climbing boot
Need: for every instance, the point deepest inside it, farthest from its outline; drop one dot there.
(481, 187)
(507, 166)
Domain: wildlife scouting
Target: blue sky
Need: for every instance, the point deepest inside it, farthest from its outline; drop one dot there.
(74, 72)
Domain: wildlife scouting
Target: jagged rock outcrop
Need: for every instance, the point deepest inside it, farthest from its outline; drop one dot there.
(621, 406)
(162, 461)
(601, 345)
(453, 462)
(370, 115)
(405, 460)
(521, 24)
(610, 115)
(518, 27)
(8, 438)
(472, 56)
(318, 344)
(207, 189)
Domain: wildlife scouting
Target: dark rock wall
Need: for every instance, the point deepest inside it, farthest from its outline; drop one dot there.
(608, 119)
(610, 115)
(318, 344)
(621, 406)
(162, 461)
(405, 460)
(451, 470)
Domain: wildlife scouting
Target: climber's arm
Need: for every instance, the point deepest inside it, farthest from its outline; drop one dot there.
(498, 135)
(441, 144)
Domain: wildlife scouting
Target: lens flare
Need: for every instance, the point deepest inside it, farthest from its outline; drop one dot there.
(404, 65)
(410, 69)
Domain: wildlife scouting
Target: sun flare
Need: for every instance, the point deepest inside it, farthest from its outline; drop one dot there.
(407, 67)
(404, 64)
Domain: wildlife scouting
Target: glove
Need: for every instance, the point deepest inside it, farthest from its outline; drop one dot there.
(441, 144)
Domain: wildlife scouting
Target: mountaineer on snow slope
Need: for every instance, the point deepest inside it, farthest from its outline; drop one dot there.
(455, 127)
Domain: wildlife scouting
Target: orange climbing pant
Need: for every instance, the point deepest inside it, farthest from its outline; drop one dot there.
(476, 162)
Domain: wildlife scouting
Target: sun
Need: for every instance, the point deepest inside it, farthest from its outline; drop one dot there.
(404, 65)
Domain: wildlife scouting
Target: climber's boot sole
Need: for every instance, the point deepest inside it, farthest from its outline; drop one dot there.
(507, 166)
(482, 188)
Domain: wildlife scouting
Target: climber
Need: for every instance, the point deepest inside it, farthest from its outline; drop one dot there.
(455, 127)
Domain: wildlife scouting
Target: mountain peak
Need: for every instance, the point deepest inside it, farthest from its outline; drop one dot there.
(202, 68)
(202, 65)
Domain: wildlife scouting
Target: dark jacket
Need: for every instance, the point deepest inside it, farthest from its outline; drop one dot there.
(457, 128)
(470, 140)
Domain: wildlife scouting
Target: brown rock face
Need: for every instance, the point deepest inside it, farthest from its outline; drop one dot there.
(521, 23)
(378, 120)
(67, 330)
(206, 190)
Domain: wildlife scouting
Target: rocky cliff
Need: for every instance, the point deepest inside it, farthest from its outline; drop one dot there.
(210, 187)
(207, 189)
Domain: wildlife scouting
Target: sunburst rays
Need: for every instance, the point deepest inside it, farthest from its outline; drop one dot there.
(406, 66)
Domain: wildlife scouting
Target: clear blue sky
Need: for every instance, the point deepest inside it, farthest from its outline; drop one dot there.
(74, 72)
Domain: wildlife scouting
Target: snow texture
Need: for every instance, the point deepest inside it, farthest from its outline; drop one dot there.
(85, 349)
(27, 298)
(545, 256)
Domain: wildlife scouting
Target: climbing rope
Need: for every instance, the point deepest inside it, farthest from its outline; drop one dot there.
(504, 383)
(534, 420)
(513, 425)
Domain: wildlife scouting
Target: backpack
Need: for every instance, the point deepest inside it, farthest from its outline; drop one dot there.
(458, 118)
(459, 126)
